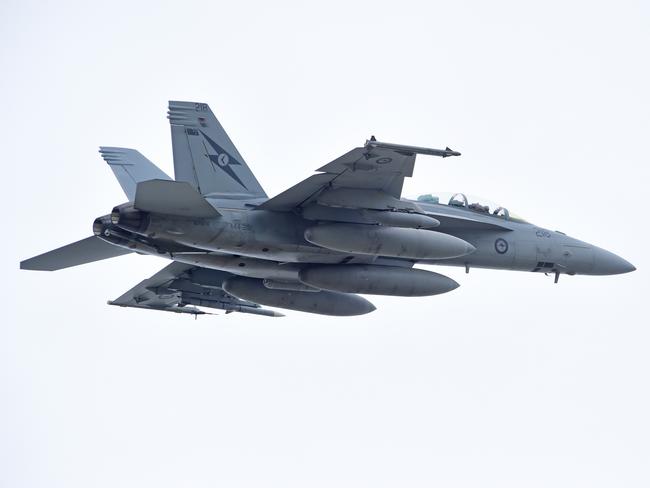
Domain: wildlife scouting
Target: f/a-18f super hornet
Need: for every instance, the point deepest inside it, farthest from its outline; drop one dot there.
(314, 247)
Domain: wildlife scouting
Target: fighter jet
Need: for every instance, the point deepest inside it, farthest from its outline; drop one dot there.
(316, 247)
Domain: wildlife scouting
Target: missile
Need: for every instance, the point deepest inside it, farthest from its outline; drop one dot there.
(378, 240)
(445, 153)
(377, 280)
(321, 302)
(231, 307)
(257, 311)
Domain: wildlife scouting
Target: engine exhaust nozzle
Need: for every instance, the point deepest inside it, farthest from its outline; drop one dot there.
(129, 218)
(101, 224)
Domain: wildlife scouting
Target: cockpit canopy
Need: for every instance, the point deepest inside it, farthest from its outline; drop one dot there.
(471, 203)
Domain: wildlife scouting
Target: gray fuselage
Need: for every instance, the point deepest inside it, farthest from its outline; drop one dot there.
(279, 237)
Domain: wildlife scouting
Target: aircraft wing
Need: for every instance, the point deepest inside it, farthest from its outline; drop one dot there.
(180, 287)
(371, 176)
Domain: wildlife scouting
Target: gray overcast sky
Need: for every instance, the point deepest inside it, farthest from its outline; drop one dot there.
(508, 381)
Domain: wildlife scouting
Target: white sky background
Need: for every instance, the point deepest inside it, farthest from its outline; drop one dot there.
(508, 381)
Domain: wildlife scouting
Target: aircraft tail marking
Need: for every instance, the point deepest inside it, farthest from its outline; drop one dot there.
(205, 157)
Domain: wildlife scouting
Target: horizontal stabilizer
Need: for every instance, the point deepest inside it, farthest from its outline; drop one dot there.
(172, 198)
(80, 252)
(130, 168)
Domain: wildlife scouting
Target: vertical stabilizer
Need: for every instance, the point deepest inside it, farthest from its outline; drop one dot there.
(205, 157)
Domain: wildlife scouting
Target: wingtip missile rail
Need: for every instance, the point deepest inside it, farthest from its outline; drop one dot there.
(445, 153)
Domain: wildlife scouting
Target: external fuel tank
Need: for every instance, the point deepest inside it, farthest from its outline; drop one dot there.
(380, 240)
(377, 280)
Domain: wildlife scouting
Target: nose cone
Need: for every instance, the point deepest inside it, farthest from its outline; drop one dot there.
(608, 263)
